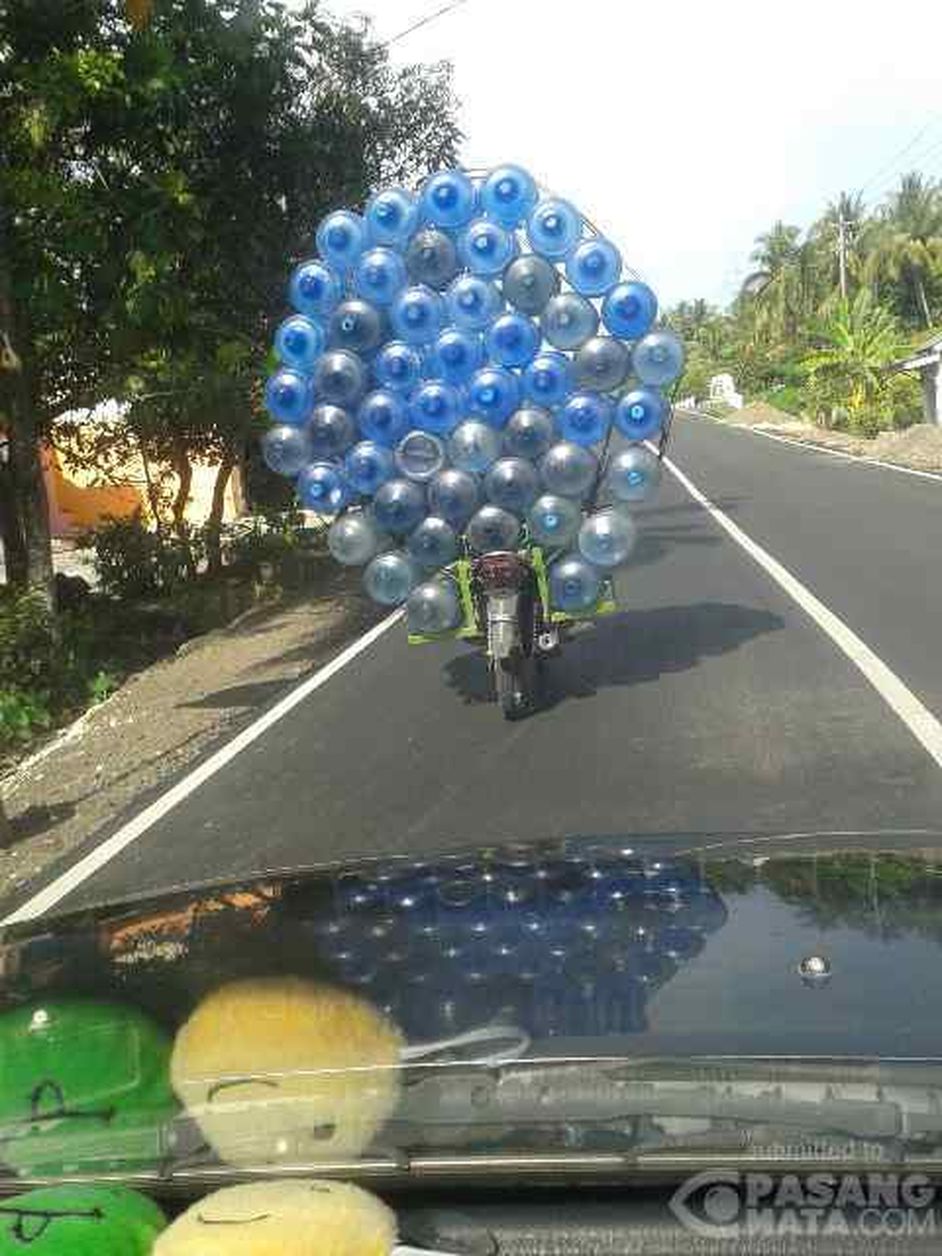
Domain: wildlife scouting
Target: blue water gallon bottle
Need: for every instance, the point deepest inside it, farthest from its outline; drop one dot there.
(575, 586)
(568, 470)
(380, 275)
(529, 282)
(640, 414)
(286, 449)
(585, 418)
(433, 543)
(391, 216)
(512, 340)
(513, 484)
(299, 341)
(357, 326)
(554, 227)
(368, 466)
(398, 366)
(508, 194)
(529, 433)
(457, 354)
(420, 456)
(658, 358)
(434, 607)
(493, 394)
(491, 528)
(384, 417)
(436, 407)
(341, 238)
(399, 506)
(448, 199)
(390, 578)
(602, 364)
(353, 539)
(340, 377)
(633, 474)
(314, 289)
(607, 537)
(629, 309)
(548, 379)
(593, 266)
(474, 445)
(289, 397)
(569, 321)
(554, 521)
(417, 314)
(453, 495)
(331, 432)
(473, 303)
(322, 488)
(486, 248)
(432, 258)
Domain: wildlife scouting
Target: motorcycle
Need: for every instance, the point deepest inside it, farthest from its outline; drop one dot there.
(504, 596)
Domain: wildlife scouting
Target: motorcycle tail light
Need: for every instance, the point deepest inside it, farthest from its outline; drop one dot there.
(501, 571)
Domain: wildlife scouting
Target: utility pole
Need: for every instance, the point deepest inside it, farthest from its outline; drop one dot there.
(842, 226)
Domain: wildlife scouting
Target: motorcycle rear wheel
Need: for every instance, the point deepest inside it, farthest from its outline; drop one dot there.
(514, 680)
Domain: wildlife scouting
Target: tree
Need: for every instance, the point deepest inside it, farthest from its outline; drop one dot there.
(782, 287)
(908, 245)
(855, 346)
(156, 179)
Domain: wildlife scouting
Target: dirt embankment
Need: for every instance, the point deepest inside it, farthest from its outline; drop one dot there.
(918, 447)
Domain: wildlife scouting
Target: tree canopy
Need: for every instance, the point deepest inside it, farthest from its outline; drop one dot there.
(163, 164)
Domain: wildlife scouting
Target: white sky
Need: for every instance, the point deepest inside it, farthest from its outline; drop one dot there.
(684, 129)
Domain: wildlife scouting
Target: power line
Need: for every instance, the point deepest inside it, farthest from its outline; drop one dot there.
(423, 21)
(920, 158)
(902, 152)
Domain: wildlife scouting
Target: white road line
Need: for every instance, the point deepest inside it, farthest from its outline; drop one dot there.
(899, 697)
(96, 859)
(816, 449)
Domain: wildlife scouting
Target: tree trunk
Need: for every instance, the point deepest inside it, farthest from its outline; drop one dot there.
(921, 298)
(6, 829)
(30, 496)
(11, 533)
(25, 467)
(214, 521)
(184, 470)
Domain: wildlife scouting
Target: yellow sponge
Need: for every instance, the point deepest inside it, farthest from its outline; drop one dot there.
(294, 1218)
(278, 1070)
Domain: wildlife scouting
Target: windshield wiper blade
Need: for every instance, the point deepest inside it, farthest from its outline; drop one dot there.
(463, 1101)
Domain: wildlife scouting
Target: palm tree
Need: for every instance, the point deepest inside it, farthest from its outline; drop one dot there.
(782, 286)
(908, 246)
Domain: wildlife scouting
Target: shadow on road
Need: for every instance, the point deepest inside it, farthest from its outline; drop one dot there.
(656, 543)
(254, 694)
(629, 648)
(36, 820)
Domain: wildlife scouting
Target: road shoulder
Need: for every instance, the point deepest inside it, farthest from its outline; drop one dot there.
(916, 449)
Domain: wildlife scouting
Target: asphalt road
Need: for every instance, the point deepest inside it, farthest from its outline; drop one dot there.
(712, 704)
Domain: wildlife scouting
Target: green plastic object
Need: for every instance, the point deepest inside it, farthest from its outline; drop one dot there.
(79, 1221)
(470, 628)
(84, 1087)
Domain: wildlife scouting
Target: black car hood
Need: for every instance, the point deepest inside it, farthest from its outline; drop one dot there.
(798, 945)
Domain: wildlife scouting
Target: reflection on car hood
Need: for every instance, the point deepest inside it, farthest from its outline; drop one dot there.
(814, 945)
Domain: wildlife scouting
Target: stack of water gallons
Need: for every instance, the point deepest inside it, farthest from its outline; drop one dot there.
(450, 382)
